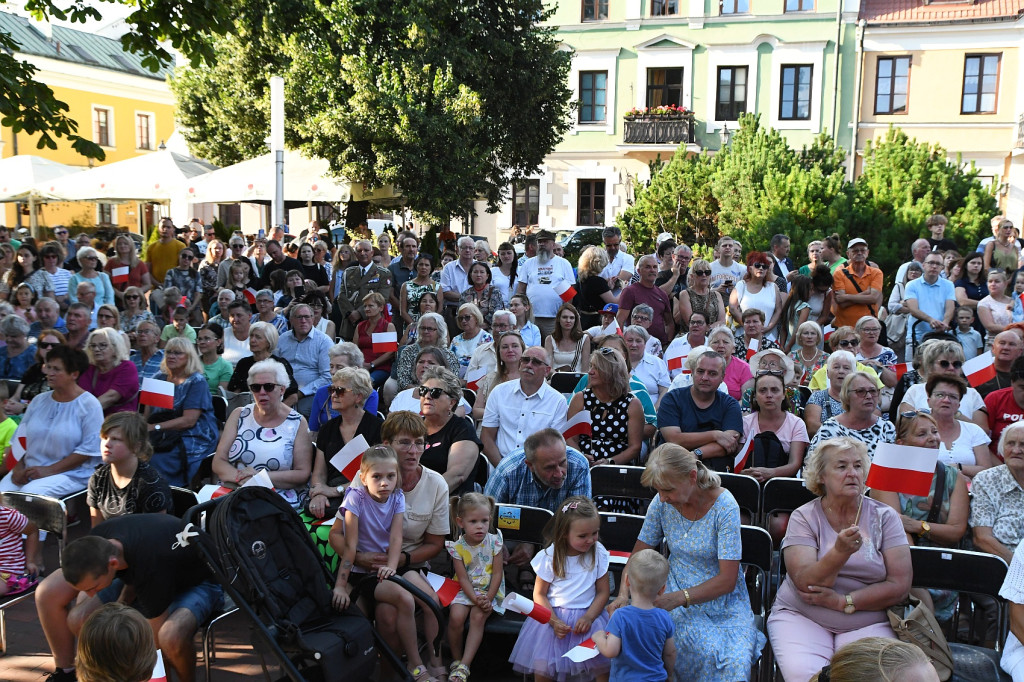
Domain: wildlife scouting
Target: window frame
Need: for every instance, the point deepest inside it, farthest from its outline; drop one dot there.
(981, 56)
(593, 121)
(521, 197)
(735, 7)
(801, 8)
(591, 210)
(665, 5)
(108, 126)
(599, 7)
(108, 210)
(666, 89)
(149, 118)
(796, 91)
(732, 100)
(878, 77)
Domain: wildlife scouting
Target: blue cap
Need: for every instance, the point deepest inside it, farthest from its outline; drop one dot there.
(612, 308)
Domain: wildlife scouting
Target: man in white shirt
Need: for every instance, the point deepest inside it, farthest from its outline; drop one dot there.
(725, 272)
(783, 265)
(919, 250)
(538, 278)
(455, 280)
(621, 265)
(515, 409)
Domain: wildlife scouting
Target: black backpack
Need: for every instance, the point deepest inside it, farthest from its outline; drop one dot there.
(768, 451)
(265, 551)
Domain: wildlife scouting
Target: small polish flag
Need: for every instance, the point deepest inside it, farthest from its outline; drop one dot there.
(980, 369)
(446, 588)
(250, 295)
(473, 378)
(1021, 299)
(752, 347)
(676, 363)
(827, 331)
(349, 457)
(211, 492)
(578, 425)
(565, 290)
(900, 370)
(159, 675)
(520, 604)
(119, 275)
(612, 328)
(742, 456)
(903, 469)
(385, 342)
(260, 480)
(183, 303)
(325, 522)
(617, 557)
(18, 447)
(157, 393)
(584, 651)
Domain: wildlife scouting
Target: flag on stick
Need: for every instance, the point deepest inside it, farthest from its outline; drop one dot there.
(743, 456)
(119, 275)
(578, 425)
(157, 393)
(520, 604)
(385, 342)
(903, 469)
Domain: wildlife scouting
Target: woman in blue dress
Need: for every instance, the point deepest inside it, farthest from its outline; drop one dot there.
(715, 636)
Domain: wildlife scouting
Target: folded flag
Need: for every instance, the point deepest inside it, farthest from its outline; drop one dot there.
(900, 369)
(980, 369)
(18, 447)
(520, 604)
(157, 393)
(211, 492)
(565, 290)
(473, 378)
(752, 347)
(743, 456)
(119, 275)
(584, 651)
(250, 296)
(261, 480)
(385, 342)
(349, 457)
(675, 363)
(159, 674)
(578, 425)
(446, 588)
(903, 469)
(617, 557)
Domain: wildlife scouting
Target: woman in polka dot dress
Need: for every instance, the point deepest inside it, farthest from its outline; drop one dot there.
(616, 416)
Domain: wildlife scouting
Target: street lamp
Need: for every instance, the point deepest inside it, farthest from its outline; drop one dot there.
(726, 135)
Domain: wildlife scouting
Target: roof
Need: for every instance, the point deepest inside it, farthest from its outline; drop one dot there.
(79, 47)
(917, 11)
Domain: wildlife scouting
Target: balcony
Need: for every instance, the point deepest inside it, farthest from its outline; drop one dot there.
(664, 129)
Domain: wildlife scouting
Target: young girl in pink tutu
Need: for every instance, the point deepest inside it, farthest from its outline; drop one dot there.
(572, 581)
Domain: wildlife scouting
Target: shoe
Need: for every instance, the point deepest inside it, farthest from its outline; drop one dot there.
(459, 673)
(420, 674)
(59, 675)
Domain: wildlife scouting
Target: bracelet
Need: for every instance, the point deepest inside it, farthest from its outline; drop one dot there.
(960, 466)
(686, 596)
(408, 559)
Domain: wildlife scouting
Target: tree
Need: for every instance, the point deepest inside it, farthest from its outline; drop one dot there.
(449, 101)
(26, 105)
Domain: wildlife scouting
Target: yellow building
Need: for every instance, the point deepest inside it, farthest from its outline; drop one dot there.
(116, 102)
(947, 73)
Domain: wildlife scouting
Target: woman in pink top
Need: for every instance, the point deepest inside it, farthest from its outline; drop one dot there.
(847, 559)
(111, 377)
(737, 372)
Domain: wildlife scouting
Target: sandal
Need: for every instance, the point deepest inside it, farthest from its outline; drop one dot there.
(438, 672)
(421, 674)
(459, 672)
(20, 583)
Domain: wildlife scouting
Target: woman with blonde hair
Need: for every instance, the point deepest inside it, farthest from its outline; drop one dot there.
(699, 296)
(509, 351)
(700, 521)
(617, 416)
(138, 272)
(208, 271)
(111, 376)
(594, 291)
(378, 364)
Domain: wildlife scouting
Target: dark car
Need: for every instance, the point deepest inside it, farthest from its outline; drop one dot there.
(580, 239)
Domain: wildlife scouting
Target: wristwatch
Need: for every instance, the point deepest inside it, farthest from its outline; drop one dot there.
(698, 454)
(849, 608)
(156, 427)
(925, 528)
(341, 489)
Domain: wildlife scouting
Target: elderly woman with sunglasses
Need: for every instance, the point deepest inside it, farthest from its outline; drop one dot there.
(134, 312)
(33, 382)
(860, 420)
(699, 297)
(942, 357)
(349, 389)
(111, 376)
(757, 290)
(452, 446)
(409, 399)
(340, 355)
(266, 436)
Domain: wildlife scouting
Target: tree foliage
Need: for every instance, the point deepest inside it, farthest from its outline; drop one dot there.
(26, 105)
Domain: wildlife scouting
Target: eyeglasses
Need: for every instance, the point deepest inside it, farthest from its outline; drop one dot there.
(946, 364)
(770, 372)
(945, 396)
(237, 246)
(207, 338)
(434, 393)
(303, 317)
(531, 360)
(337, 390)
(870, 330)
(702, 273)
(266, 388)
(642, 318)
(865, 392)
(405, 443)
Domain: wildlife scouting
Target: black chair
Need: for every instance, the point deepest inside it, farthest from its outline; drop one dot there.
(619, 533)
(756, 564)
(470, 396)
(747, 492)
(565, 382)
(183, 499)
(220, 409)
(517, 523)
(620, 482)
(974, 574)
(204, 474)
(783, 495)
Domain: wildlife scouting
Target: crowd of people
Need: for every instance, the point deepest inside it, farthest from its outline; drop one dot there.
(444, 366)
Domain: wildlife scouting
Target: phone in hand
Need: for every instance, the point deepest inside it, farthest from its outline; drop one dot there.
(261, 233)
(300, 291)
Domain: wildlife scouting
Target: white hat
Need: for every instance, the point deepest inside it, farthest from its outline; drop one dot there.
(664, 237)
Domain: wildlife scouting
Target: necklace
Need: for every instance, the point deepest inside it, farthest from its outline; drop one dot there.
(803, 355)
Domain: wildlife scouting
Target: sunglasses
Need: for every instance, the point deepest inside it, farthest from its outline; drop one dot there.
(946, 364)
(771, 372)
(47, 345)
(702, 273)
(847, 344)
(434, 393)
(131, 297)
(266, 388)
(465, 318)
(530, 360)
(760, 266)
(337, 390)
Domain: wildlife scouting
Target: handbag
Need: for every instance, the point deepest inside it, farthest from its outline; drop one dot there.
(914, 623)
(164, 440)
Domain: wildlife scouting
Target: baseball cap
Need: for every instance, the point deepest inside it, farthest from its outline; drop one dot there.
(854, 242)
(612, 308)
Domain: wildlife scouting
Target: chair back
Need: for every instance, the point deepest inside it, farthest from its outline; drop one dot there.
(183, 499)
(470, 396)
(565, 382)
(747, 492)
(47, 513)
(619, 481)
(619, 532)
(783, 495)
(757, 555)
(521, 523)
(220, 409)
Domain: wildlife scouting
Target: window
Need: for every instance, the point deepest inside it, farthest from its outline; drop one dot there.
(591, 200)
(593, 96)
(891, 85)
(595, 10)
(799, 5)
(664, 86)
(981, 79)
(526, 203)
(143, 139)
(795, 96)
(734, 6)
(104, 214)
(732, 93)
(101, 127)
(664, 8)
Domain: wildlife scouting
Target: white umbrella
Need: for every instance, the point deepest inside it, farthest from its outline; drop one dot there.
(253, 181)
(25, 178)
(157, 176)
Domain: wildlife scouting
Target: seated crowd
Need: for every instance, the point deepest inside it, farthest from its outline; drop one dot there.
(465, 380)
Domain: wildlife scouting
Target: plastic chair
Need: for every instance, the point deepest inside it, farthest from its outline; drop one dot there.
(747, 492)
(619, 533)
(517, 523)
(204, 474)
(614, 480)
(220, 409)
(565, 382)
(783, 495)
(470, 396)
(48, 514)
(183, 499)
(756, 564)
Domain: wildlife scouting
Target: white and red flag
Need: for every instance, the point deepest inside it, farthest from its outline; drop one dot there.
(903, 469)
(584, 651)
(250, 295)
(119, 275)
(827, 331)
(675, 363)
(517, 603)
(446, 588)
(752, 347)
(385, 342)
(743, 456)
(349, 458)
(159, 674)
(900, 369)
(565, 290)
(980, 369)
(473, 378)
(19, 445)
(157, 393)
(578, 425)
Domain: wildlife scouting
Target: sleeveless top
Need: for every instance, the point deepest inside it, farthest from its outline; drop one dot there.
(763, 300)
(610, 424)
(1005, 258)
(266, 447)
(568, 360)
(701, 303)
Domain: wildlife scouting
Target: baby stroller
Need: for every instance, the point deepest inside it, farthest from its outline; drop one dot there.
(260, 551)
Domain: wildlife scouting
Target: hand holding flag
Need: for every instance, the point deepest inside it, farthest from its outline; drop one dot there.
(157, 393)
(520, 604)
(446, 588)
(565, 290)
